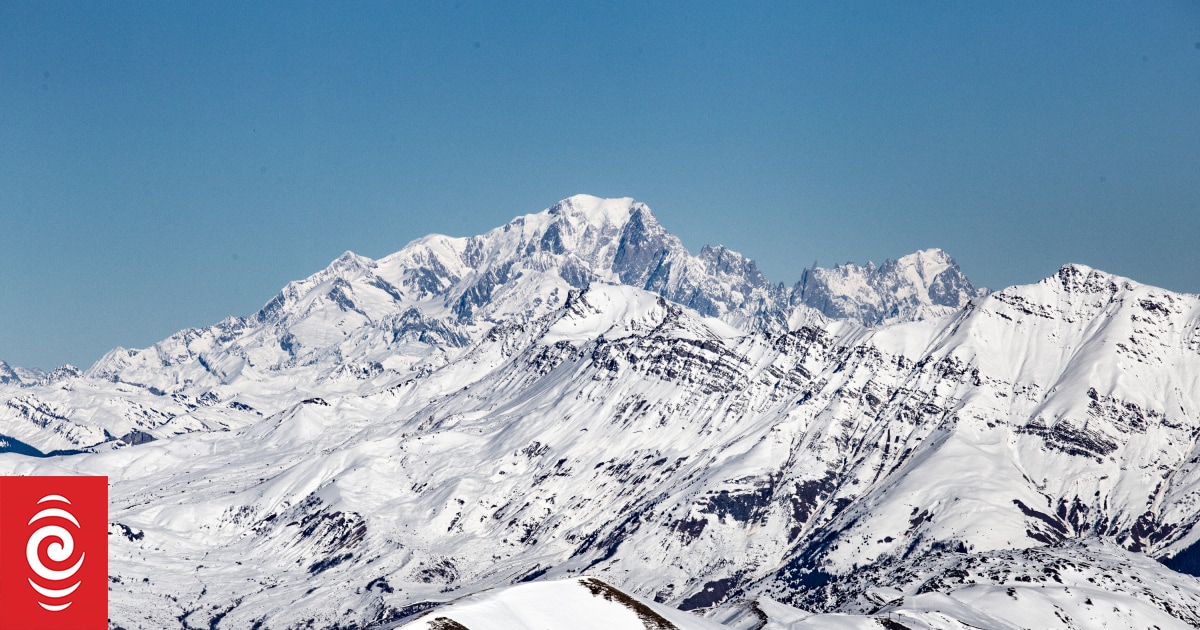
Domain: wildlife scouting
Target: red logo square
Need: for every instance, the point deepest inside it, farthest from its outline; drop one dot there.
(53, 553)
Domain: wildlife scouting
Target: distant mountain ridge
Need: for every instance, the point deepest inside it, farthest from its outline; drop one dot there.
(439, 294)
(584, 239)
(918, 286)
(572, 394)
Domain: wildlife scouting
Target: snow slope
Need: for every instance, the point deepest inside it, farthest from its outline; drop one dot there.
(581, 604)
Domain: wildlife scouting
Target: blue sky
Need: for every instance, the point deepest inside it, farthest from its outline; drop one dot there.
(164, 165)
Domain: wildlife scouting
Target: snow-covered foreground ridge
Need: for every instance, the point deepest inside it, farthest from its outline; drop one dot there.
(584, 603)
(574, 394)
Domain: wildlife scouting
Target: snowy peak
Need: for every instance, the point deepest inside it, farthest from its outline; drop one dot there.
(643, 247)
(8, 375)
(16, 375)
(1076, 278)
(347, 270)
(598, 211)
(921, 285)
(934, 271)
(578, 241)
(617, 240)
(1078, 292)
(586, 228)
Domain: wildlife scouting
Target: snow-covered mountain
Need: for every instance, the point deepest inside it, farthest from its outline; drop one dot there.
(360, 322)
(921, 285)
(10, 375)
(574, 394)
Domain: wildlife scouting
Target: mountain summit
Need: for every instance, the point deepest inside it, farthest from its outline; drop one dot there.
(918, 286)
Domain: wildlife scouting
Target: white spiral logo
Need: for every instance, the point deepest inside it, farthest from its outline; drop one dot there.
(59, 551)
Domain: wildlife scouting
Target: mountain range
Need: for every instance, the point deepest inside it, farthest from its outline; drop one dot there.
(574, 399)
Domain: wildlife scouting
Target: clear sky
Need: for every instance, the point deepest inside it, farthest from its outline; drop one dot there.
(167, 164)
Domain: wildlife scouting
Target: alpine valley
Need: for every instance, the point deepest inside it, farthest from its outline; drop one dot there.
(572, 422)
